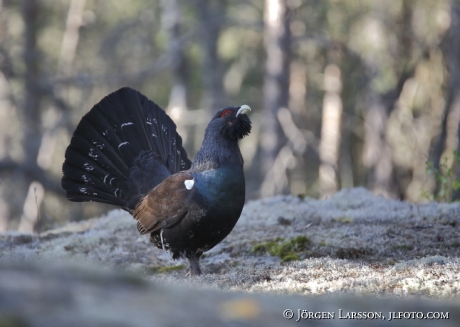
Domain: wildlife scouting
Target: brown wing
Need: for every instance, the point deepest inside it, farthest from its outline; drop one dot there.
(164, 206)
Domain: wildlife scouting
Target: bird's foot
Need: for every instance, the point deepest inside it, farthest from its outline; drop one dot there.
(190, 273)
(194, 266)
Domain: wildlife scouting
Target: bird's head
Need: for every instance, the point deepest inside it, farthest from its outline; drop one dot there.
(232, 122)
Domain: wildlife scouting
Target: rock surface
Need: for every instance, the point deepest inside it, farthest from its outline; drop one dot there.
(354, 244)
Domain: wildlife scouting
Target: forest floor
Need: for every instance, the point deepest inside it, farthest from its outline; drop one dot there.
(353, 242)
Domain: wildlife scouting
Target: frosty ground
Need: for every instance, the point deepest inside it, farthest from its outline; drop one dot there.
(353, 242)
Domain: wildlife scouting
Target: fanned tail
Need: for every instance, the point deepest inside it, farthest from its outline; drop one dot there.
(122, 148)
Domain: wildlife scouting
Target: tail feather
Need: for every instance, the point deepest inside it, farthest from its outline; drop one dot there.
(110, 183)
(102, 156)
(162, 129)
(92, 181)
(121, 149)
(138, 118)
(103, 130)
(83, 192)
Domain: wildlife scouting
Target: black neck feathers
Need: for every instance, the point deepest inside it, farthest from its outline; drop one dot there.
(217, 151)
(220, 144)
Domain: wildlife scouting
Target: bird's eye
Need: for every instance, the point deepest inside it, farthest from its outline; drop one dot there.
(226, 113)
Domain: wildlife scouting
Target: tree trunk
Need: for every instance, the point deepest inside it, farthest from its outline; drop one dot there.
(276, 97)
(31, 109)
(177, 106)
(451, 129)
(4, 206)
(330, 132)
(71, 36)
(377, 154)
(66, 58)
(211, 14)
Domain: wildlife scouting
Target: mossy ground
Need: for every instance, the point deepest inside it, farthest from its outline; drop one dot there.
(293, 249)
(351, 242)
(165, 269)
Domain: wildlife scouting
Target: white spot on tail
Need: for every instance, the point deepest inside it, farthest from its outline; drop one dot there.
(126, 124)
(189, 183)
(92, 154)
(84, 190)
(99, 146)
(121, 144)
(88, 167)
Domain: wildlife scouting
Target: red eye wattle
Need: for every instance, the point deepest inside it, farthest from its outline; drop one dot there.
(226, 113)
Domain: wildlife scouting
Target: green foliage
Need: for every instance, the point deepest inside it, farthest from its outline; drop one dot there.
(287, 251)
(133, 280)
(167, 269)
(12, 320)
(445, 178)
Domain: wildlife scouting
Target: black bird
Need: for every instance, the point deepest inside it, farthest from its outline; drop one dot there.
(126, 152)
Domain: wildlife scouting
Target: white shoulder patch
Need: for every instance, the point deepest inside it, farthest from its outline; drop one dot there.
(189, 183)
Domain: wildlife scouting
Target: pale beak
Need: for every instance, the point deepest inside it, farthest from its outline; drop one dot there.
(243, 109)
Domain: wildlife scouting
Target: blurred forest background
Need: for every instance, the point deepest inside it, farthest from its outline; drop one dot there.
(344, 93)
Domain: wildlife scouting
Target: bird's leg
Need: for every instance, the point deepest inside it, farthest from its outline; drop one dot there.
(162, 243)
(195, 264)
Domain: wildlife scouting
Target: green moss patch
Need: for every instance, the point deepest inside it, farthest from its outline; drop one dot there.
(290, 250)
(167, 269)
(344, 219)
